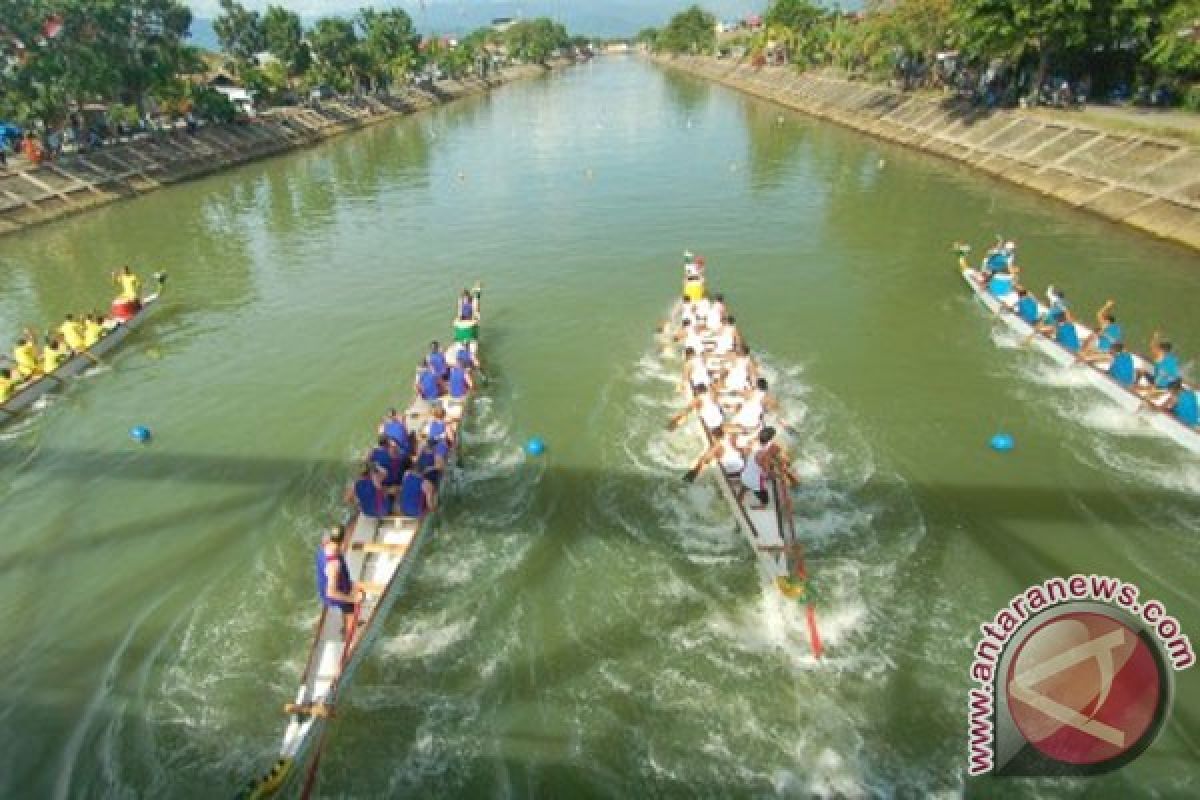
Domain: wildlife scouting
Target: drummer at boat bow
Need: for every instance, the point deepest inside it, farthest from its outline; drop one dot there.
(334, 587)
(129, 284)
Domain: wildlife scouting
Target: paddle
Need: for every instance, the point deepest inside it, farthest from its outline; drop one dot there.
(690, 475)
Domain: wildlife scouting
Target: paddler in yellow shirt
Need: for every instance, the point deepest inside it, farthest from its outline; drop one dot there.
(25, 356)
(8, 385)
(72, 333)
(54, 354)
(93, 330)
(131, 285)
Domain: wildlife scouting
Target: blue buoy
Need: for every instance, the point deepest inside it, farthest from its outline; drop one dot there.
(139, 433)
(1002, 442)
(535, 446)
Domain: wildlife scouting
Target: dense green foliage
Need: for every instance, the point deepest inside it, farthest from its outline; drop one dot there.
(1111, 43)
(58, 54)
(691, 31)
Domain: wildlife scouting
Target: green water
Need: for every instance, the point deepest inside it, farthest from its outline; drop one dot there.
(584, 624)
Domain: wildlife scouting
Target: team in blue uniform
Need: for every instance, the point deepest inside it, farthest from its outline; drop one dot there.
(400, 474)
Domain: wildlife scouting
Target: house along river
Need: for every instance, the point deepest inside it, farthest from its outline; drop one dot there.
(584, 624)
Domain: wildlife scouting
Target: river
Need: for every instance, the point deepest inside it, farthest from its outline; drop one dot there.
(584, 624)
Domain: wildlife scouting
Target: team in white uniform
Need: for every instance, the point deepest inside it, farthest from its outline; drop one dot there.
(728, 395)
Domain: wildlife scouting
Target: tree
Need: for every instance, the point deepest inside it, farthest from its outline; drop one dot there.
(335, 52)
(1019, 29)
(691, 31)
(1175, 51)
(283, 35)
(239, 31)
(648, 37)
(389, 43)
(534, 40)
(799, 15)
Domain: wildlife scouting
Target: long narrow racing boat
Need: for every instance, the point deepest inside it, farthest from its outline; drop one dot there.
(115, 332)
(379, 554)
(1000, 297)
(770, 531)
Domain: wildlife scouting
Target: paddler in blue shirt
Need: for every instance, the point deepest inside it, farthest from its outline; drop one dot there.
(427, 385)
(388, 457)
(1182, 403)
(417, 495)
(436, 360)
(394, 428)
(1048, 324)
(369, 493)
(1098, 345)
(1166, 368)
(334, 586)
(1026, 306)
(1122, 369)
(1066, 334)
(998, 261)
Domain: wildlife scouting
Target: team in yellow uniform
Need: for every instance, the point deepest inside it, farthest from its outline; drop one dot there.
(74, 336)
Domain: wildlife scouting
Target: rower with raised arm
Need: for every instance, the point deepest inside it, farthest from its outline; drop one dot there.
(1098, 344)
(1047, 324)
(1165, 369)
(334, 587)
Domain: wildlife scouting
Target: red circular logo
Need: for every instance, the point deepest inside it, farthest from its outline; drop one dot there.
(1084, 688)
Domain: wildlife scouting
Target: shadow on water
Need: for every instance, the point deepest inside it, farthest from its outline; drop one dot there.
(1000, 503)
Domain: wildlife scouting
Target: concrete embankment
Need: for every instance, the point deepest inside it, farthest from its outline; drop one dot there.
(31, 195)
(1149, 183)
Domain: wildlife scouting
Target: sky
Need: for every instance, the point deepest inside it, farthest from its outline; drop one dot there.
(598, 17)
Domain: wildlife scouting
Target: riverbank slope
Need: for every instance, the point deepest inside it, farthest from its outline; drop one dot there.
(32, 195)
(1149, 183)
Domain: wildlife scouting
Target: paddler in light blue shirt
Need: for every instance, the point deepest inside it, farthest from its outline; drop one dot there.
(1122, 369)
(1026, 306)
(1066, 334)
(1166, 368)
(1182, 403)
(1107, 333)
(1048, 324)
